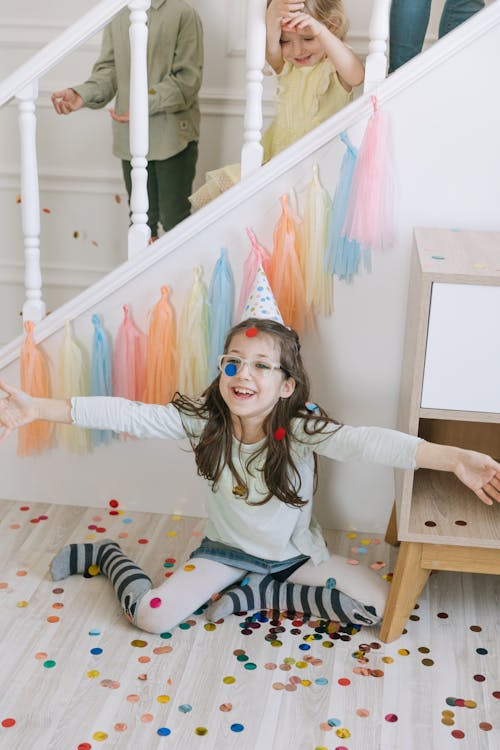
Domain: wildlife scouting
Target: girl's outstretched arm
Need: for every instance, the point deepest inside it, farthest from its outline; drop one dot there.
(479, 472)
(18, 409)
(277, 12)
(350, 69)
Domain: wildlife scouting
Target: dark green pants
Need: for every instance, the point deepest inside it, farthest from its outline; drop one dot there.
(170, 184)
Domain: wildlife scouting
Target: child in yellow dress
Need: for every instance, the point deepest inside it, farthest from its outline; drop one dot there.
(316, 72)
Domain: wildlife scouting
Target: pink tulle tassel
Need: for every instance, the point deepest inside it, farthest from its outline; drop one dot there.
(129, 360)
(258, 256)
(369, 215)
(35, 437)
(161, 364)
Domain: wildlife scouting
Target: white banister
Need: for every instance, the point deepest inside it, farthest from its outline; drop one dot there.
(252, 151)
(376, 60)
(34, 306)
(139, 232)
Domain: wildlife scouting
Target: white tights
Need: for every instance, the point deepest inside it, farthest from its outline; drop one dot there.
(185, 591)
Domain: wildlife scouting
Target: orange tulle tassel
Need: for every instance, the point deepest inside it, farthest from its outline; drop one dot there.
(258, 256)
(129, 360)
(35, 380)
(193, 339)
(285, 276)
(314, 231)
(73, 381)
(161, 358)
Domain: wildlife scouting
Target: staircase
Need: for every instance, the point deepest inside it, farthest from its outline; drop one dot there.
(445, 140)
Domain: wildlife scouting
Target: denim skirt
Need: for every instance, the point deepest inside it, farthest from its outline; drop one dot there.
(235, 557)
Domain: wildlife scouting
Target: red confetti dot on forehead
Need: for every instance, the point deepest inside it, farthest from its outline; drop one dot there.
(251, 332)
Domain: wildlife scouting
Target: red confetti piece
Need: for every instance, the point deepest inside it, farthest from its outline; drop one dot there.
(391, 717)
(46, 210)
(100, 530)
(458, 734)
(113, 513)
(95, 243)
(24, 507)
(8, 722)
(251, 332)
(344, 681)
(142, 541)
(280, 433)
(155, 603)
(114, 503)
(118, 198)
(18, 199)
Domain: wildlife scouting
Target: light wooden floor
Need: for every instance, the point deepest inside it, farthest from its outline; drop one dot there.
(63, 697)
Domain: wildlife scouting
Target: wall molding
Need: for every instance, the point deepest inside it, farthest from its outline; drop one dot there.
(92, 182)
(54, 275)
(17, 34)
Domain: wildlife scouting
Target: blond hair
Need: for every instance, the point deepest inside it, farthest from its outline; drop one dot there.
(331, 13)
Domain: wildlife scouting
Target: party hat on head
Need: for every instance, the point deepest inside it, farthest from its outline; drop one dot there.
(261, 302)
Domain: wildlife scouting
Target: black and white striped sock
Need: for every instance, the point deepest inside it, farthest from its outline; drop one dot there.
(266, 592)
(106, 557)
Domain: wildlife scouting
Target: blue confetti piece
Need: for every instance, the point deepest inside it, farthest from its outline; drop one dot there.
(96, 651)
(310, 406)
(244, 581)
(185, 708)
(230, 370)
(237, 727)
(321, 681)
(304, 647)
(164, 731)
(334, 722)
(331, 583)
(94, 632)
(126, 520)
(438, 257)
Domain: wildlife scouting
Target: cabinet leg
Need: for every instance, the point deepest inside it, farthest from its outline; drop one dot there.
(408, 581)
(391, 535)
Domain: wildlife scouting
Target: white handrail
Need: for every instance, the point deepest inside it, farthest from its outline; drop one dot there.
(53, 52)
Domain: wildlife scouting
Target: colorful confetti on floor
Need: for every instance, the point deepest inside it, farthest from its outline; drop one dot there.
(77, 676)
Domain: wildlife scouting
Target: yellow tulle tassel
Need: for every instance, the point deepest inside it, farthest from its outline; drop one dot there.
(35, 380)
(161, 358)
(73, 381)
(193, 339)
(314, 232)
(285, 276)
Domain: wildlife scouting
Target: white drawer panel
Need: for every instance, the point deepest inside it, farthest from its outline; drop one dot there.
(462, 360)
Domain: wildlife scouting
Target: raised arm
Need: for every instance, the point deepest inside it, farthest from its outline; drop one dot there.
(18, 409)
(277, 12)
(477, 471)
(350, 69)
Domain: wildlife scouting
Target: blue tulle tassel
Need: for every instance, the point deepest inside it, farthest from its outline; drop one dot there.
(220, 307)
(100, 374)
(342, 255)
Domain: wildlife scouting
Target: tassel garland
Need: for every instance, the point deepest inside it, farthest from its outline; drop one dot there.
(73, 381)
(161, 363)
(318, 285)
(193, 339)
(37, 436)
(100, 374)
(220, 307)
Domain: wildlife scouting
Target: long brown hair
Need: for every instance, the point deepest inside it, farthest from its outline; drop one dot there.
(213, 450)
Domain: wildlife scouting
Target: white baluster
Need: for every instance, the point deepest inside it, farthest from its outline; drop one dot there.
(34, 306)
(252, 151)
(376, 60)
(139, 233)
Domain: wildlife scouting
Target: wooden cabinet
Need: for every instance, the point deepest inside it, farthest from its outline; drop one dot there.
(450, 393)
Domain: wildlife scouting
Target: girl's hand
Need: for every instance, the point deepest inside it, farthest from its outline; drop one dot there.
(481, 474)
(302, 22)
(16, 410)
(279, 9)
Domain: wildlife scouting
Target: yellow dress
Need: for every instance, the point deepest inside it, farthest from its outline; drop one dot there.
(305, 97)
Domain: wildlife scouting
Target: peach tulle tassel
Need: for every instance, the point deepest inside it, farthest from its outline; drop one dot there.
(258, 256)
(129, 360)
(73, 381)
(161, 359)
(285, 276)
(370, 215)
(35, 380)
(193, 339)
(314, 230)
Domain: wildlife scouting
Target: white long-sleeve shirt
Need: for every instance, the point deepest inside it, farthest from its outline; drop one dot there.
(275, 530)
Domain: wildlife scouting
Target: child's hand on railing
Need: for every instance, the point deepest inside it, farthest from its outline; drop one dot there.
(66, 101)
(16, 410)
(119, 118)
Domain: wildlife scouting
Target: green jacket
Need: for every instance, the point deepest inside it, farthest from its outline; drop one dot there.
(175, 64)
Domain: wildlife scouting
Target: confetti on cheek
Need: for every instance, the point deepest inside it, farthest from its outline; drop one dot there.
(251, 332)
(280, 433)
(230, 370)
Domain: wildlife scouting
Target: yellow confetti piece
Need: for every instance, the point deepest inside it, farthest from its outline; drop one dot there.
(365, 541)
(76, 234)
(306, 683)
(176, 518)
(210, 626)
(470, 704)
(301, 664)
(351, 536)
(201, 731)
(93, 673)
(22, 604)
(172, 533)
(403, 652)
(289, 660)
(480, 265)
(387, 659)
(228, 680)
(99, 736)
(343, 733)
(189, 568)
(93, 570)
(163, 699)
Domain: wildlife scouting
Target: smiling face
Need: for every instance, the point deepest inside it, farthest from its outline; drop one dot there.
(300, 49)
(252, 392)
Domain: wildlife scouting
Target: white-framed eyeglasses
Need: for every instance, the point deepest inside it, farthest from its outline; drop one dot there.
(230, 365)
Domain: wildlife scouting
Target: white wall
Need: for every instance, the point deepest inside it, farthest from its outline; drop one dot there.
(448, 175)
